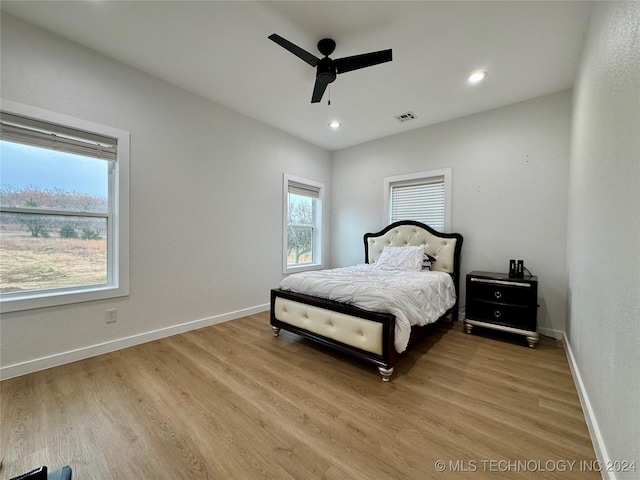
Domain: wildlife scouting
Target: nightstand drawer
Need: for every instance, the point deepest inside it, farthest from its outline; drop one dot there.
(517, 316)
(517, 293)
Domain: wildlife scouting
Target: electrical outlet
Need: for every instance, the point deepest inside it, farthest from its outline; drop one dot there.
(111, 315)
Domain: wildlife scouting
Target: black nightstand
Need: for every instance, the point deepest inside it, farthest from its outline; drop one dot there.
(495, 300)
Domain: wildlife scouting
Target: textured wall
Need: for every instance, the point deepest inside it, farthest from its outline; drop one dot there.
(604, 228)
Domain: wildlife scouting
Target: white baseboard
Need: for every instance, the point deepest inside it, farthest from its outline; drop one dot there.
(592, 424)
(58, 359)
(549, 332)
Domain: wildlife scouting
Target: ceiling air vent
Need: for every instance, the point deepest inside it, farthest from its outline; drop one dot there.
(405, 117)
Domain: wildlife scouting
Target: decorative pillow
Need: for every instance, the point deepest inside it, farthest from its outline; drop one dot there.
(401, 258)
(427, 260)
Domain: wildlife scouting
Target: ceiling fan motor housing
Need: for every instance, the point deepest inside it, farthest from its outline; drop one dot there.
(326, 70)
(326, 46)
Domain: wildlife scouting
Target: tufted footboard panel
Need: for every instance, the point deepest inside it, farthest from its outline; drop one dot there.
(357, 332)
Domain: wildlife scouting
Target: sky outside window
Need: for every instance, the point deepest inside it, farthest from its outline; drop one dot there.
(26, 167)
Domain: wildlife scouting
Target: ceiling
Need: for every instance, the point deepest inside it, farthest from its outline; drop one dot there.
(220, 50)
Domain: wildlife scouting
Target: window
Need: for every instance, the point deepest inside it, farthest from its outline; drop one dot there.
(302, 224)
(424, 197)
(63, 209)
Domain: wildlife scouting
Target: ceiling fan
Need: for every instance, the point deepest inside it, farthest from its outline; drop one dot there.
(326, 68)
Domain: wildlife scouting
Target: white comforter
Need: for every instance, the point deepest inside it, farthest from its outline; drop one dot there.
(415, 298)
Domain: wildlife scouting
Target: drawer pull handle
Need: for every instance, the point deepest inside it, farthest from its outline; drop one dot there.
(497, 314)
(497, 294)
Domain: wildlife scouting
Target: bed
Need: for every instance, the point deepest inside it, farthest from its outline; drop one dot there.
(378, 332)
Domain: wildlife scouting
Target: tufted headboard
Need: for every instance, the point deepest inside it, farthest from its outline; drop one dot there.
(444, 247)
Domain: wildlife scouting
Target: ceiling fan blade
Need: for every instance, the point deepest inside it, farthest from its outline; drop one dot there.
(296, 50)
(348, 64)
(318, 91)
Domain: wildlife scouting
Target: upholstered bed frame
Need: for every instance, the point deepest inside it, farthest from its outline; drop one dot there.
(365, 334)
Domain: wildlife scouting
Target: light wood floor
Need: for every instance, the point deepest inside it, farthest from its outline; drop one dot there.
(233, 402)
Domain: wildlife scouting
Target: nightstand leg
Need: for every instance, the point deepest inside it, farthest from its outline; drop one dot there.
(532, 340)
(386, 373)
(468, 327)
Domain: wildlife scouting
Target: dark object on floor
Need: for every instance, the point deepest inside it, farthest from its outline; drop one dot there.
(36, 474)
(41, 473)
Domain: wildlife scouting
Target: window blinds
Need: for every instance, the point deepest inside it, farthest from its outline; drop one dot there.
(31, 132)
(302, 189)
(421, 200)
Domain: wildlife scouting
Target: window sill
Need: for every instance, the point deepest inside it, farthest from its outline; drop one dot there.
(31, 301)
(302, 268)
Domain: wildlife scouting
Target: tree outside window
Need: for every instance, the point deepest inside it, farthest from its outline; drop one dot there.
(300, 224)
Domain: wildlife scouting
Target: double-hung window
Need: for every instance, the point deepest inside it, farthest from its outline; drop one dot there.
(424, 197)
(302, 230)
(63, 209)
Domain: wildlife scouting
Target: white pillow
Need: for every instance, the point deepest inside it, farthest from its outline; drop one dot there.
(401, 258)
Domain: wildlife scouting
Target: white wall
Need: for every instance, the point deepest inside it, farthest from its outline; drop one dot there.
(604, 231)
(510, 173)
(206, 196)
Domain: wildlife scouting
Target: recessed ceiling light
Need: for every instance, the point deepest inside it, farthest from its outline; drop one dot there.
(335, 124)
(477, 76)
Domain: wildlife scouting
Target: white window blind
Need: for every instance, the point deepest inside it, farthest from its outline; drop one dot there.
(304, 190)
(35, 133)
(421, 200)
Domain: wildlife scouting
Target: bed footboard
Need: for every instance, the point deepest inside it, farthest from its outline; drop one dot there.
(361, 333)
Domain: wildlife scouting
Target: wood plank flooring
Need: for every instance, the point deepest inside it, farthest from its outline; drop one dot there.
(233, 402)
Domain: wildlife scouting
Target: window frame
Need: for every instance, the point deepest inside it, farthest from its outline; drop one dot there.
(419, 177)
(118, 225)
(317, 248)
